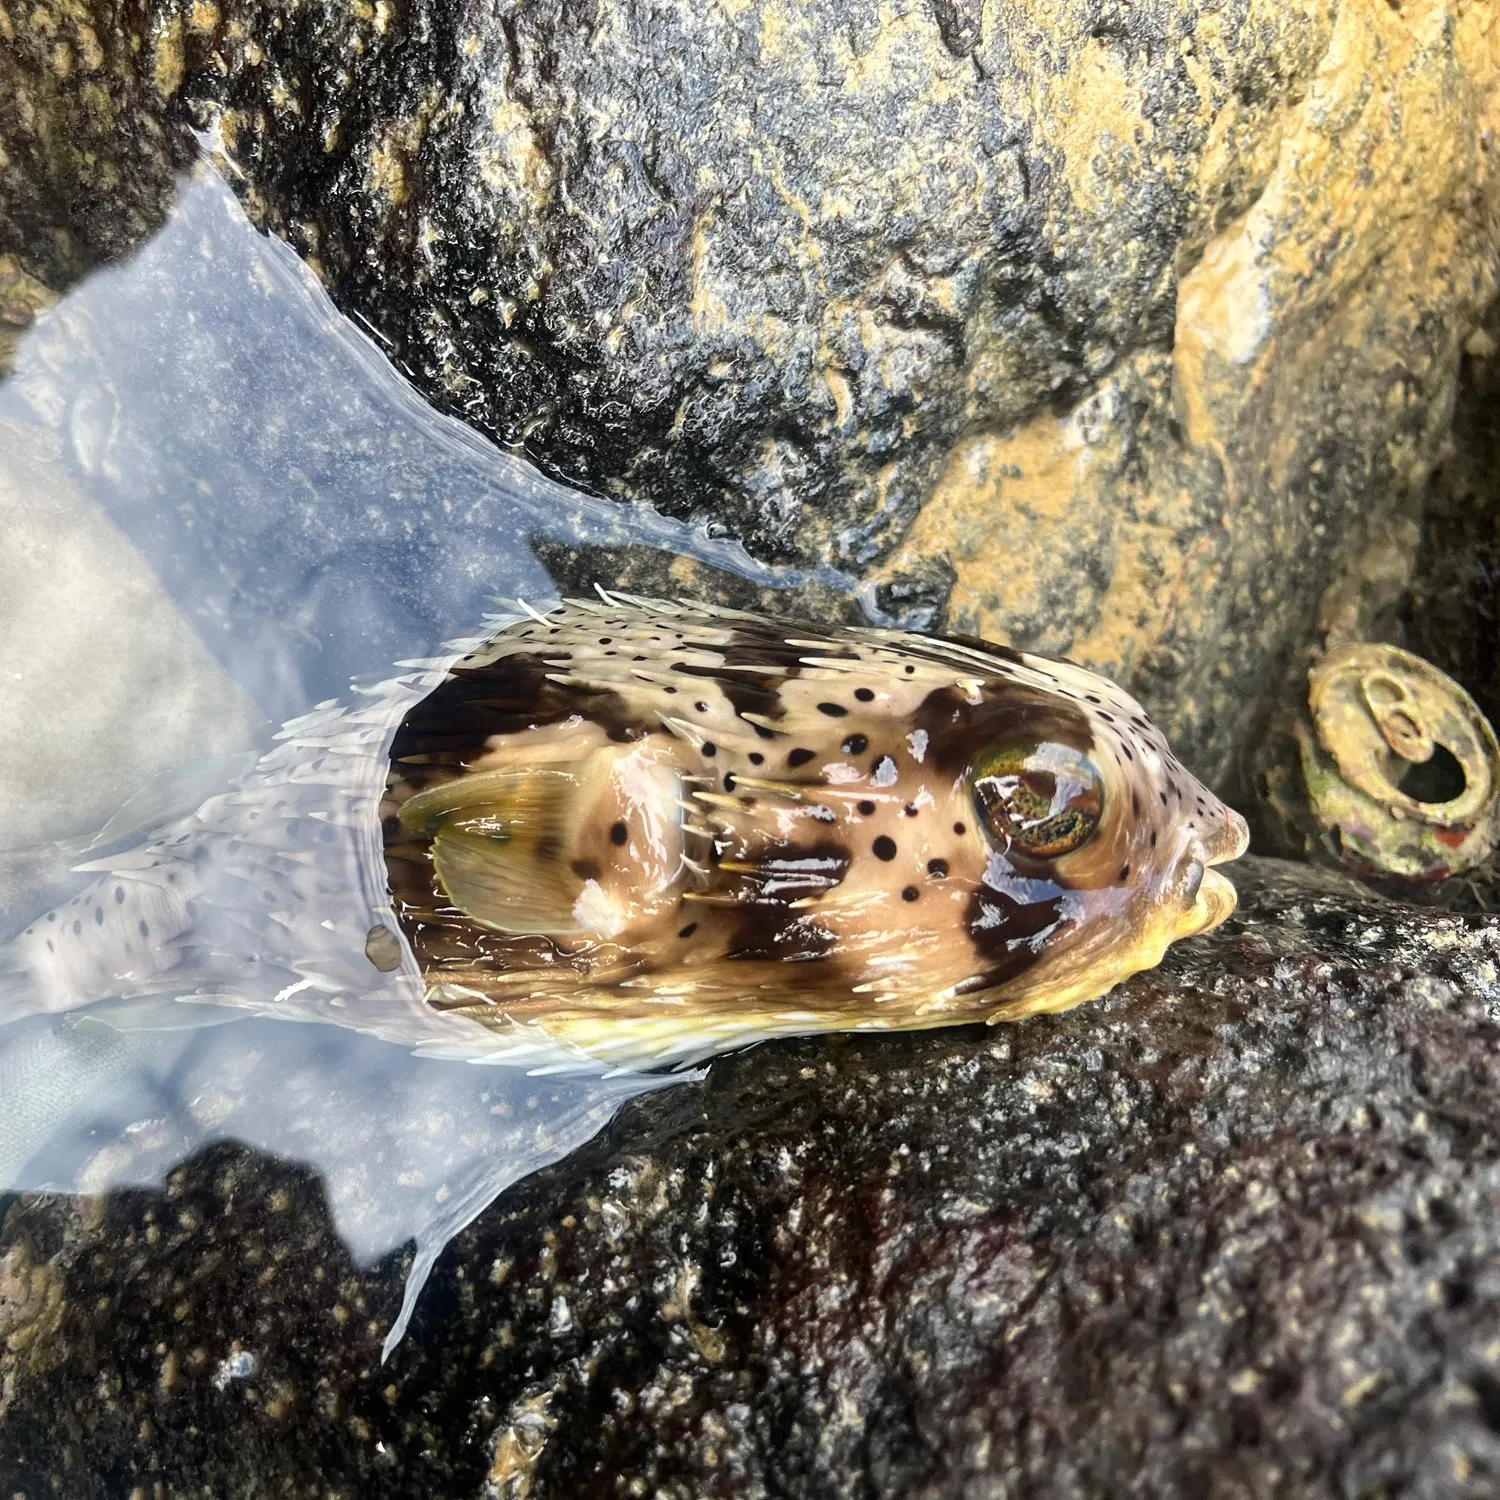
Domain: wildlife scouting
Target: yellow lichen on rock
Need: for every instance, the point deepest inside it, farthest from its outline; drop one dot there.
(32, 1305)
(517, 164)
(22, 299)
(170, 61)
(1055, 539)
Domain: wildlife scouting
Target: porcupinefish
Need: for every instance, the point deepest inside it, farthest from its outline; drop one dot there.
(654, 831)
(628, 833)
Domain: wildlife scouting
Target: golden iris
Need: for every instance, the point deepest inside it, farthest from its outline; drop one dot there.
(1040, 798)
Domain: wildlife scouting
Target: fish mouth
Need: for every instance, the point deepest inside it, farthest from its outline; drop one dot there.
(1215, 901)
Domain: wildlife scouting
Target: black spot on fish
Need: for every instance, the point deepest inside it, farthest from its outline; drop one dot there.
(1124, 872)
(688, 931)
(145, 928)
(865, 695)
(701, 706)
(99, 916)
(119, 895)
(884, 847)
(910, 810)
(710, 749)
(799, 757)
(586, 869)
(959, 829)
(756, 758)
(619, 833)
(833, 710)
(937, 867)
(866, 808)
(856, 744)
(910, 893)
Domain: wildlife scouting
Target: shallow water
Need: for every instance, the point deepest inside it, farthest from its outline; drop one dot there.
(233, 507)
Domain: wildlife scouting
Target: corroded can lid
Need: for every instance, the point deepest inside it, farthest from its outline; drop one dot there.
(1403, 764)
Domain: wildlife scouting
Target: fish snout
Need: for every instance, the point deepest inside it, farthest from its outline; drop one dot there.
(1227, 839)
(1208, 897)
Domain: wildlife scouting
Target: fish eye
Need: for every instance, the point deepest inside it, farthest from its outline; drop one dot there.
(1041, 798)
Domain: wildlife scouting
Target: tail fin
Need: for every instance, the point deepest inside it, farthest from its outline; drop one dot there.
(114, 937)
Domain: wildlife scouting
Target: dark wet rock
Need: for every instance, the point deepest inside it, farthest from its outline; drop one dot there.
(89, 153)
(1452, 613)
(1233, 1232)
(1105, 329)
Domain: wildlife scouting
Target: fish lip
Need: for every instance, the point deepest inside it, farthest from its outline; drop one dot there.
(1214, 903)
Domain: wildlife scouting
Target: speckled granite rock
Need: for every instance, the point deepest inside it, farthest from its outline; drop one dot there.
(1106, 328)
(1235, 1232)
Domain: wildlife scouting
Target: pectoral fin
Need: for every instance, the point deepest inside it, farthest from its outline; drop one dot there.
(498, 883)
(499, 845)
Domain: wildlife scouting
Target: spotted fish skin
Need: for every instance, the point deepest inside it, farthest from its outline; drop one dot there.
(656, 830)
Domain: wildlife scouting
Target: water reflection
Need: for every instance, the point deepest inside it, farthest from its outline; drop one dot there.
(202, 417)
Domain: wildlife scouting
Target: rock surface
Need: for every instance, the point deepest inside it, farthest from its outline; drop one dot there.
(1232, 1232)
(1105, 329)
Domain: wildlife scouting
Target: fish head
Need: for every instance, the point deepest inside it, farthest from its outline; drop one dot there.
(1098, 847)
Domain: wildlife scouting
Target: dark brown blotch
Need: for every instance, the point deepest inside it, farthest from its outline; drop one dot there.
(958, 730)
(1004, 931)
